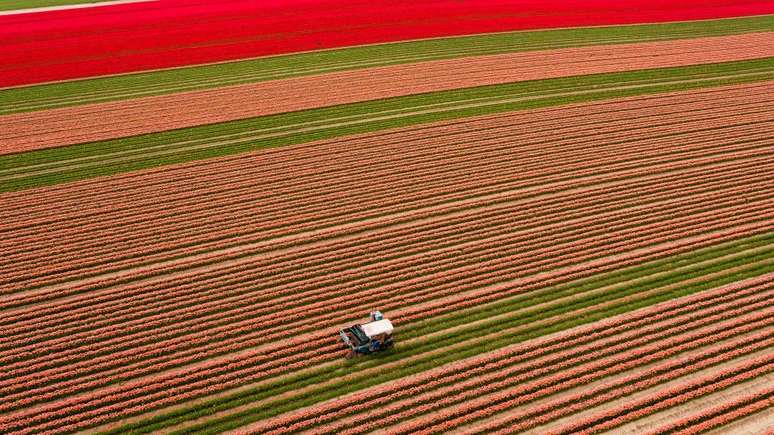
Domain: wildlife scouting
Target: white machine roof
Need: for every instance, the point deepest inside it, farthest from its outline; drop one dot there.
(373, 329)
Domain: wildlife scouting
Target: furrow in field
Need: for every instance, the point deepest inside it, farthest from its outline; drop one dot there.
(252, 415)
(321, 158)
(674, 365)
(382, 210)
(178, 145)
(745, 402)
(334, 176)
(443, 280)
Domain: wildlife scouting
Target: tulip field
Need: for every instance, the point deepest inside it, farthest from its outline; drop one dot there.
(568, 217)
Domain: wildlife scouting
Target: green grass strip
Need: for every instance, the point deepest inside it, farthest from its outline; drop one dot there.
(267, 68)
(418, 329)
(21, 171)
(9, 5)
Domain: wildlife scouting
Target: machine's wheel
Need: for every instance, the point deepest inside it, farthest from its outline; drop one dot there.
(351, 354)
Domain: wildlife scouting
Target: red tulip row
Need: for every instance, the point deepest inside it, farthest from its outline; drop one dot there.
(272, 160)
(33, 366)
(671, 368)
(405, 401)
(433, 233)
(271, 220)
(723, 414)
(142, 396)
(275, 305)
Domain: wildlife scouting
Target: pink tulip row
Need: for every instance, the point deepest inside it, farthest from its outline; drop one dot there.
(250, 362)
(562, 406)
(639, 322)
(624, 258)
(87, 230)
(149, 321)
(57, 321)
(360, 246)
(122, 400)
(265, 214)
(488, 405)
(432, 195)
(435, 392)
(167, 368)
(273, 161)
(723, 414)
(91, 366)
(689, 390)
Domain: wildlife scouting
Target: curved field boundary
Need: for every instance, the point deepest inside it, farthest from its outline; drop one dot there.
(271, 68)
(100, 158)
(61, 127)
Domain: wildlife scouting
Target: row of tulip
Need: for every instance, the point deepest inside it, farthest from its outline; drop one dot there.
(673, 367)
(722, 414)
(688, 390)
(42, 270)
(459, 384)
(362, 246)
(271, 161)
(124, 397)
(209, 336)
(236, 193)
(231, 348)
(299, 219)
(634, 324)
(36, 297)
(121, 401)
(277, 305)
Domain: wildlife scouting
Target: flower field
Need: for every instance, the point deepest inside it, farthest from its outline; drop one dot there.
(571, 228)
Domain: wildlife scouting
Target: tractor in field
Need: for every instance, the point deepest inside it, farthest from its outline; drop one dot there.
(374, 336)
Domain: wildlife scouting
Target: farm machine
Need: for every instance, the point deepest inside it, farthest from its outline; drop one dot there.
(367, 338)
